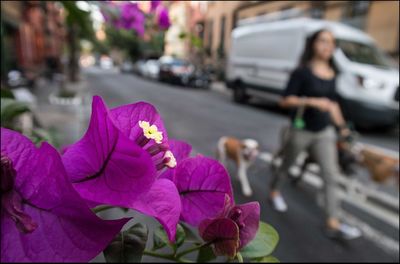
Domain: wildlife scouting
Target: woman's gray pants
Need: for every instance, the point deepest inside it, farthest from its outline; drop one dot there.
(322, 147)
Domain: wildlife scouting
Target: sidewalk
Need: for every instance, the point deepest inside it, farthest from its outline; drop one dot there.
(66, 122)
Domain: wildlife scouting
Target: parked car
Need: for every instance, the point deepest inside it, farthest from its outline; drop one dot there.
(152, 69)
(200, 78)
(138, 67)
(126, 67)
(173, 70)
(106, 62)
(264, 54)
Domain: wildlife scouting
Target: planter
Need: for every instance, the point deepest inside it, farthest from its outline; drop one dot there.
(65, 99)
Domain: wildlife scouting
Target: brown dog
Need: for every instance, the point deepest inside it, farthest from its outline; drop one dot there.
(381, 166)
(243, 153)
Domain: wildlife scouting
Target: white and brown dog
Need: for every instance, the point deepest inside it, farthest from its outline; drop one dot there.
(243, 153)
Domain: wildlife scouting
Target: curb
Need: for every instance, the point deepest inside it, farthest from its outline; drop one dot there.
(77, 100)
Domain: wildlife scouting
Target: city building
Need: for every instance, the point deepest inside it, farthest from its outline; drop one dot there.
(33, 35)
(184, 38)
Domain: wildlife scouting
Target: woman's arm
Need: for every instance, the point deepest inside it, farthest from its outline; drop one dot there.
(338, 119)
(336, 115)
(323, 104)
(292, 101)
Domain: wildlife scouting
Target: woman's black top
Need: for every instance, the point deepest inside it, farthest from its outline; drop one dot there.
(304, 83)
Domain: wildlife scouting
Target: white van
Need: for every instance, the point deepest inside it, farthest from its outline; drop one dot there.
(263, 55)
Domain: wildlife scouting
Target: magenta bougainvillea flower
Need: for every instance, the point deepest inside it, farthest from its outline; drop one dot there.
(247, 217)
(202, 184)
(223, 233)
(141, 123)
(124, 16)
(128, 16)
(43, 219)
(163, 17)
(163, 203)
(105, 166)
(119, 159)
(228, 240)
(132, 18)
(154, 5)
(181, 150)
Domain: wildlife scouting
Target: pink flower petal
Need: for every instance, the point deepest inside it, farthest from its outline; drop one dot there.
(105, 166)
(163, 203)
(202, 184)
(181, 151)
(249, 217)
(224, 233)
(67, 230)
(127, 117)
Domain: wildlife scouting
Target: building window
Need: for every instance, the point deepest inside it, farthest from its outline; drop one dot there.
(221, 51)
(210, 37)
(317, 9)
(355, 13)
(200, 30)
(8, 48)
(359, 8)
(286, 7)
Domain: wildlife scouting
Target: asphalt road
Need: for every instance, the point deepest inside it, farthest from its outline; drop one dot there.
(201, 117)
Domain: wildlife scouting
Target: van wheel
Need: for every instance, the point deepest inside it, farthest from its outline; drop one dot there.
(239, 94)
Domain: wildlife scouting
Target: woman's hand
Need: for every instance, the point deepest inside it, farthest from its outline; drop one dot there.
(345, 132)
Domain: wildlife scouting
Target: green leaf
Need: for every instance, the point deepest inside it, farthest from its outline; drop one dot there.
(157, 241)
(10, 109)
(40, 135)
(128, 246)
(205, 254)
(5, 93)
(161, 239)
(125, 210)
(190, 234)
(267, 259)
(263, 244)
(79, 17)
(182, 35)
(180, 236)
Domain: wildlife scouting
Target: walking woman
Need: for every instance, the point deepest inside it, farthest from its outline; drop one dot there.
(312, 87)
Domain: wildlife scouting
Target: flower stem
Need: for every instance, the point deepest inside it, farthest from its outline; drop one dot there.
(187, 251)
(239, 257)
(158, 255)
(182, 260)
(101, 208)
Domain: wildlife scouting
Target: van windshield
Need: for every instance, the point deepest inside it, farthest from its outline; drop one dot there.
(364, 53)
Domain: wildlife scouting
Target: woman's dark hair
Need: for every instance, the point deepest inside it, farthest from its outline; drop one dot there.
(308, 52)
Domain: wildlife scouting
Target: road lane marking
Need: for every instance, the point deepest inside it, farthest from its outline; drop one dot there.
(384, 242)
(391, 218)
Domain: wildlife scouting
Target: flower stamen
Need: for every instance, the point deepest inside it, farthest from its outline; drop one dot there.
(169, 159)
(151, 131)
